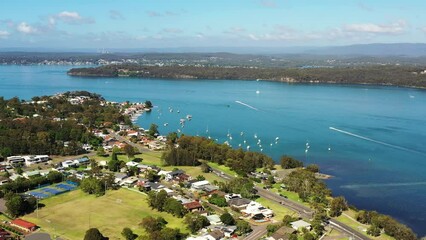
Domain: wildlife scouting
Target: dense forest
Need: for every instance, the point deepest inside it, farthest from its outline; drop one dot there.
(191, 149)
(52, 125)
(408, 76)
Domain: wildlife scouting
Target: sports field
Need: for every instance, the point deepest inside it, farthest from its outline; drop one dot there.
(69, 215)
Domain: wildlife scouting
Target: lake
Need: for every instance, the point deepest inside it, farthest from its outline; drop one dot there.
(372, 139)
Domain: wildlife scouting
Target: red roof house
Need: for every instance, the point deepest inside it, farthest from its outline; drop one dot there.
(193, 206)
(24, 225)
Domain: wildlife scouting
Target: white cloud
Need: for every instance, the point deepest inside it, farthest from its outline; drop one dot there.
(393, 28)
(4, 34)
(235, 30)
(72, 18)
(423, 29)
(25, 28)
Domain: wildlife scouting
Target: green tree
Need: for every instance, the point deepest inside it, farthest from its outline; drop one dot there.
(174, 207)
(205, 168)
(100, 151)
(114, 165)
(288, 162)
(15, 205)
(218, 200)
(308, 236)
(243, 227)
(130, 151)
(194, 222)
(92, 185)
(200, 178)
(271, 228)
(93, 234)
(148, 104)
(55, 177)
(19, 170)
(157, 200)
(128, 234)
(153, 130)
(171, 234)
(151, 224)
(373, 230)
(227, 219)
(313, 168)
(337, 206)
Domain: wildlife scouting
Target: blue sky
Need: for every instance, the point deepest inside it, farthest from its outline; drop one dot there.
(208, 23)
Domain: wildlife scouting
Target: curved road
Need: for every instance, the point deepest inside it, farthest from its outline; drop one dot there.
(304, 211)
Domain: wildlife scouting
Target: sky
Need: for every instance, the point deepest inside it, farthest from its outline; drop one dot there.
(80, 24)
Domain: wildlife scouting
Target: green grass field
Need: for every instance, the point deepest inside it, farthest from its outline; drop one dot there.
(279, 210)
(359, 226)
(68, 215)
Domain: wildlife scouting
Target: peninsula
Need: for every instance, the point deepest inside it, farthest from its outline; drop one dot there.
(405, 76)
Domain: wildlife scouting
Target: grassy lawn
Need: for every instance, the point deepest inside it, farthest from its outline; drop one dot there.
(279, 210)
(359, 226)
(195, 171)
(222, 168)
(68, 215)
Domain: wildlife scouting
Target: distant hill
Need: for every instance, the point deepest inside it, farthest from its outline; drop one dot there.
(375, 49)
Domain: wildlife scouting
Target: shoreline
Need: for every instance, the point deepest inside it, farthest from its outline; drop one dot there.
(331, 83)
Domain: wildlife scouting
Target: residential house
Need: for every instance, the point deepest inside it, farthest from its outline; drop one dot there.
(182, 200)
(15, 160)
(132, 133)
(228, 231)
(174, 174)
(29, 174)
(300, 224)
(214, 219)
(232, 196)
(132, 164)
(119, 177)
(129, 181)
(29, 160)
(199, 185)
(216, 234)
(69, 163)
(254, 208)
(194, 206)
(283, 233)
(23, 225)
(239, 203)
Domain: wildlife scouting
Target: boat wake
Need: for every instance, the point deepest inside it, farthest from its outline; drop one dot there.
(376, 141)
(245, 104)
(376, 185)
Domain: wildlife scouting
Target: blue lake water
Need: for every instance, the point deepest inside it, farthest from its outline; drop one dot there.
(376, 148)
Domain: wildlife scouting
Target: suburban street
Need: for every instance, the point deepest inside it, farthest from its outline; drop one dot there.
(304, 211)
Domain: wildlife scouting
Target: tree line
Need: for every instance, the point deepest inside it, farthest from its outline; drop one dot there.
(382, 75)
(192, 148)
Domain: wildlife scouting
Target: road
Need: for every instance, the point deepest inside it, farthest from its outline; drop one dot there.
(139, 147)
(304, 211)
(257, 233)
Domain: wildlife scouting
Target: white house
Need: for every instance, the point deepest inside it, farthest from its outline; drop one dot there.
(254, 208)
(199, 185)
(29, 160)
(131, 164)
(232, 196)
(300, 224)
(15, 160)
